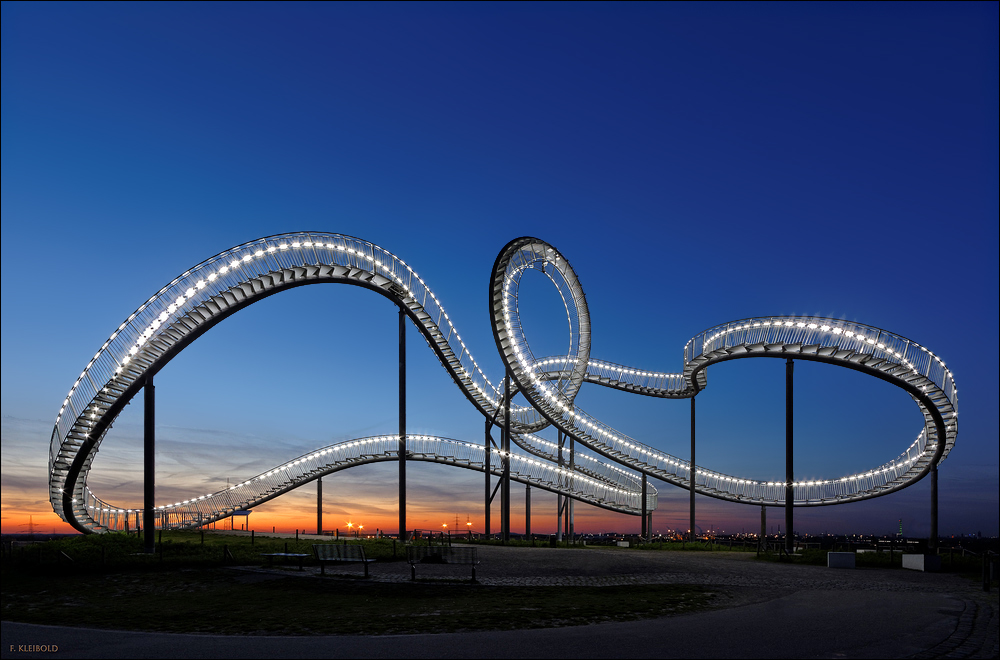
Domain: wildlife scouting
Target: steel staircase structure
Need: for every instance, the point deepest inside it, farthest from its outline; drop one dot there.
(216, 288)
(256, 490)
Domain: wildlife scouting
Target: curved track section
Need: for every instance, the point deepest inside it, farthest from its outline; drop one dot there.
(363, 451)
(550, 383)
(215, 289)
(222, 285)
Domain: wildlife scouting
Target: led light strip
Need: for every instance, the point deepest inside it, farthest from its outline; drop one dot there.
(125, 356)
(534, 377)
(190, 512)
(215, 277)
(176, 307)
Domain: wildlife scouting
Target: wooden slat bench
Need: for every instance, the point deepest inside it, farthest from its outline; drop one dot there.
(429, 555)
(340, 554)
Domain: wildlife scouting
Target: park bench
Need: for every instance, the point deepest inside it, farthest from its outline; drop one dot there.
(286, 555)
(327, 552)
(424, 555)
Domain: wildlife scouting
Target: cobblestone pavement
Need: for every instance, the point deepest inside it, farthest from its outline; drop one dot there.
(975, 636)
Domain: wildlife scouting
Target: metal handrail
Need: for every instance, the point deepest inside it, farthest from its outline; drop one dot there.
(256, 490)
(223, 284)
(550, 384)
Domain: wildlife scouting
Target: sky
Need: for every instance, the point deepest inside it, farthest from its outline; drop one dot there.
(697, 163)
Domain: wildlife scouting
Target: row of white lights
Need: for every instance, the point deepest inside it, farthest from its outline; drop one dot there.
(659, 456)
(374, 440)
(850, 334)
(610, 366)
(237, 260)
(566, 411)
(510, 277)
(835, 330)
(246, 258)
(597, 364)
(534, 438)
(569, 412)
(201, 284)
(394, 438)
(551, 446)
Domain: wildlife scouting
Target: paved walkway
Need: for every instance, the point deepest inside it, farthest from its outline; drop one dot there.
(772, 610)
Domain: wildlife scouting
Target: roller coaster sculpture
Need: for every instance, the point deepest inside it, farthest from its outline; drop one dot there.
(211, 291)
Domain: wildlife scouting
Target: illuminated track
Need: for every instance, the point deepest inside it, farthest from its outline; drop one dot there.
(550, 384)
(218, 287)
(268, 485)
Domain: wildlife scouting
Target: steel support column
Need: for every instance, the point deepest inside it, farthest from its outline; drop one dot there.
(932, 541)
(559, 479)
(644, 528)
(527, 510)
(569, 511)
(319, 506)
(763, 529)
(691, 532)
(566, 501)
(149, 465)
(789, 462)
(487, 500)
(402, 425)
(505, 455)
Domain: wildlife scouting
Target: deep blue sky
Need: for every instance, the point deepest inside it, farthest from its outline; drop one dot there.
(697, 163)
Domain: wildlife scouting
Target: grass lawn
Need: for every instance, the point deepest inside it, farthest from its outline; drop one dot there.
(230, 601)
(100, 582)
